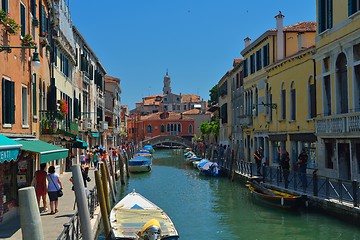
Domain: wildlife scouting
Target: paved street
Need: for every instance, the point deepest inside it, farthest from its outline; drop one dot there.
(52, 224)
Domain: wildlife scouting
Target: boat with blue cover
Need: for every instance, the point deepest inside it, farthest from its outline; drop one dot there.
(149, 148)
(209, 169)
(140, 164)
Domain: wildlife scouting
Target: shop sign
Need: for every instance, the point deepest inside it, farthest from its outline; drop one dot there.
(8, 155)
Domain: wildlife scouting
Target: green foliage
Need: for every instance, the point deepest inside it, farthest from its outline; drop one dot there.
(205, 128)
(215, 128)
(214, 96)
(12, 26)
(28, 41)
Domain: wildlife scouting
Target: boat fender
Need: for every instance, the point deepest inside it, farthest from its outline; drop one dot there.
(151, 230)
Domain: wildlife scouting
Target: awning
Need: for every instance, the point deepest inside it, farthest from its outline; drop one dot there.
(47, 151)
(9, 149)
(78, 143)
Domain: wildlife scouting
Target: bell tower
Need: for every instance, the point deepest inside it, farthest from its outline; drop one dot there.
(167, 88)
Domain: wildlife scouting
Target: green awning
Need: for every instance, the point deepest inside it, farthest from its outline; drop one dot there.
(47, 151)
(9, 149)
(78, 143)
(95, 135)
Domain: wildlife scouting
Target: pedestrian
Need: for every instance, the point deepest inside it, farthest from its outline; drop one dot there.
(258, 159)
(82, 159)
(302, 165)
(54, 184)
(87, 157)
(40, 185)
(285, 166)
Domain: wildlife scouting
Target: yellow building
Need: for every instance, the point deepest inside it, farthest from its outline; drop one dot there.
(338, 88)
(276, 65)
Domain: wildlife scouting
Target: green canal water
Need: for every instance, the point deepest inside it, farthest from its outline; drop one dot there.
(205, 208)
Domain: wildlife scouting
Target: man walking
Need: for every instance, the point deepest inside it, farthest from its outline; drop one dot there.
(302, 165)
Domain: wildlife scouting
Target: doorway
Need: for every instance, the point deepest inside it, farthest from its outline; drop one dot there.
(344, 161)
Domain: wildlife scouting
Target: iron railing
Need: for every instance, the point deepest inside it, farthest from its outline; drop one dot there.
(332, 189)
(71, 229)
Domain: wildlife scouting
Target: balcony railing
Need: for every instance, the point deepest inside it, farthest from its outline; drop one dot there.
(348, 123)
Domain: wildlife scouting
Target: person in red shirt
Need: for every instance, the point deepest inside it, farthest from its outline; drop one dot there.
(40, 185)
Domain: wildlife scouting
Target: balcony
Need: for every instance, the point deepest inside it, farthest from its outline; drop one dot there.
(339, 124)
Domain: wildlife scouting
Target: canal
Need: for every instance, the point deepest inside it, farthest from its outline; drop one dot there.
(205, 208)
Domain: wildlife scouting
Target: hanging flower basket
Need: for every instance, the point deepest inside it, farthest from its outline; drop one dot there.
(28, 41)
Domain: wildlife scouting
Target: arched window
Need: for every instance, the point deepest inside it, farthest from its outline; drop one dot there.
(292, 102)
(149, 128)
(162, 128)
(172, 127)
(283, 102)
(190, 128)
(341, 84)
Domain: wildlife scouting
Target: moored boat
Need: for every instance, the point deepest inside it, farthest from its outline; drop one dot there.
(139, 164)
(144, 153)
(149, 148)
(274, 197)
(209, 169)
(135, 217)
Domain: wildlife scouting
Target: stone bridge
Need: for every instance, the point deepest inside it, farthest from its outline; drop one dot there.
(167, 141)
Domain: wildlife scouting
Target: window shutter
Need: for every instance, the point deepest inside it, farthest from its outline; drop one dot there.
(76, 108)
(329, 14)
(33, 8)
(43, 20)
(312, 100)
(350, 7)
(283, 100)
(12, 102)
(3, 99)
(23, 19)
(34, 94)
(5, 6)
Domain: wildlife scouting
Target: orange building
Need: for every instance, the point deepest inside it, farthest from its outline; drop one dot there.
(141, 128)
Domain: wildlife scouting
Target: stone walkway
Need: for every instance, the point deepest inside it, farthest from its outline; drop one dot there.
(52, 224)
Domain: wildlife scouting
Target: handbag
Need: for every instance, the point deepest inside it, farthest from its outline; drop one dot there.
(59, 191)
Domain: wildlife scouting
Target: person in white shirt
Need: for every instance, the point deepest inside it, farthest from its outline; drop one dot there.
(54, 184)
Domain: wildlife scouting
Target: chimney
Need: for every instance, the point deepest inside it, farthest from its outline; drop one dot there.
(300, 41)
(247, 41)
(280, 36)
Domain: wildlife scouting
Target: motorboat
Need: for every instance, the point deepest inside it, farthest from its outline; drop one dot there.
(135, 217)
(140, 164)
(209, 169)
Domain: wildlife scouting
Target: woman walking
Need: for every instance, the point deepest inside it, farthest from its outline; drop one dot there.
(54, 184)
(40, 185)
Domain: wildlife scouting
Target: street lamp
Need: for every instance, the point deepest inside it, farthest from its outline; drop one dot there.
(35, 61)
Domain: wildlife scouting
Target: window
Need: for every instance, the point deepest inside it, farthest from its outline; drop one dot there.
(245, 68)
(190, 128)
(329, 155)
(324, 15)
(162, 128)
(33, 8)
(252, 63)
(258, 60)
(354, 6)
(184, 107)
(327, 96)
(24, 105)
(149, 128)
(223, 89)
(342, 98)
(266, 60)
(168, 127)
(293, 102)
(33, 88)
(179, 127)
(312, 98)
(237, 81)
(8, 101)
(5, 5)
(241, 79)
(223, 113)
(23, 19)
(283, 103)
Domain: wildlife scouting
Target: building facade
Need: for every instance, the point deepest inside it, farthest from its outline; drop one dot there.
(337, 79)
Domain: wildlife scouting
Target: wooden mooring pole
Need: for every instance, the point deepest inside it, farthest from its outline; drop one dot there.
(105, 186)
(103, 205)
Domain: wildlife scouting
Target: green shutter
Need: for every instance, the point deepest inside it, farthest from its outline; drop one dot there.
(34, 94)
(23, 20)
(12, 102)
(43, 20)
(3, 90)
(329, 14)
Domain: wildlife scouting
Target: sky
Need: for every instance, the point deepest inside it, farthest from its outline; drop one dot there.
(195, 40)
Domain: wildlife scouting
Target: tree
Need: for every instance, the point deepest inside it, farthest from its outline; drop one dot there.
(214, 96)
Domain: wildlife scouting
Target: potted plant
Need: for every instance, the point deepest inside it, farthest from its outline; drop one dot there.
(9, 23)
(63, 109)
(28, 41)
